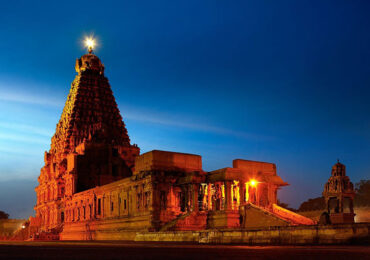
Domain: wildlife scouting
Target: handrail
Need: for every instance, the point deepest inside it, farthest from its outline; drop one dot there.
(292, 216)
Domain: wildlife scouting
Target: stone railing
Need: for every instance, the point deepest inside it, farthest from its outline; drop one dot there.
(291, 216)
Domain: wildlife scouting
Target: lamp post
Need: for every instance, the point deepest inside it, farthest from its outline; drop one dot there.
(253, 184)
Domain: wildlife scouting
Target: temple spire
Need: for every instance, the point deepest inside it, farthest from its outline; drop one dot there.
(90, 112)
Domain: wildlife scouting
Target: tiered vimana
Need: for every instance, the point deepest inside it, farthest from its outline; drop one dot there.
(90, 146)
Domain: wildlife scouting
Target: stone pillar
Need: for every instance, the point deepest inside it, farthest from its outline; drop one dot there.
(156, 197)
(47, 221)
(55, 192)
(209, 196)
(93, 207)
(188, 198)
(87, 210)
(52, 214)
(119, 203)
(73, 184)
(102, 206)
(228, 198)
(170, 198)
(340, 204)
(241, 193)
(327, 205)
(195, 197)
(272, 194)
(220, 199)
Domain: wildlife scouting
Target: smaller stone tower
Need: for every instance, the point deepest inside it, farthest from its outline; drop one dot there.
(339, 195)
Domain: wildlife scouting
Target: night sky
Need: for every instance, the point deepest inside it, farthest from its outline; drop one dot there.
(286, 82)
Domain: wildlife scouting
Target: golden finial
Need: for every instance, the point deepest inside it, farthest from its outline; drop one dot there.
(90, 43)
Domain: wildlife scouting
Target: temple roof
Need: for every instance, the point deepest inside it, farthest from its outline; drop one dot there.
(277, 180)
(338, 169)
(90, 112)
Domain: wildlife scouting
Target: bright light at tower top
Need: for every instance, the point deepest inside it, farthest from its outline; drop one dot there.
(90, 44)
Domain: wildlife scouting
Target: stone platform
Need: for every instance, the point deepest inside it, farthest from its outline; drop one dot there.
(283, 235)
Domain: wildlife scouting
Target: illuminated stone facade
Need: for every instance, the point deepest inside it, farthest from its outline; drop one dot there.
(90, 146)
(95, 185)
(339, 195)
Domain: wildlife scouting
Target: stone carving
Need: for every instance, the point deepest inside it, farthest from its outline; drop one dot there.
(90, 146)
(339, 195)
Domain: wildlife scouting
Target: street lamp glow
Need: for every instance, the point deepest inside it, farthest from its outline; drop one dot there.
(253, 183)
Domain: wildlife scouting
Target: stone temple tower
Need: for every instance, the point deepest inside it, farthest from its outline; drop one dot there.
(90, 146)
(339, 195)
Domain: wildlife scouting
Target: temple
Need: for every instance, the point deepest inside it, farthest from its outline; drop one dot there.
(95, 184)
(339, 195)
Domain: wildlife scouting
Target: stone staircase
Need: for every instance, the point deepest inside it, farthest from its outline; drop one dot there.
(258, 217)
(187, 221)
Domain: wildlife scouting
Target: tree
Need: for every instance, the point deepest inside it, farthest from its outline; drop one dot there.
(313, 204)
(3, 215)
(362, 193)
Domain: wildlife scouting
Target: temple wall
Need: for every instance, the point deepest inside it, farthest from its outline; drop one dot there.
(329, 234)
(254, 167)
(168, 161)
(123, 228)
(122, 202)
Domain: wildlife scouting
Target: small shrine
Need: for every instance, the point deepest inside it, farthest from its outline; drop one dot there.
(339, 195)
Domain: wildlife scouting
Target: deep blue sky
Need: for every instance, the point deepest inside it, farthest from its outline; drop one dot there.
(278, 81)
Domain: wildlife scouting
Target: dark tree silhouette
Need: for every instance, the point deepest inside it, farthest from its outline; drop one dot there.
(3, 215)
(313, 204)
(362, 193)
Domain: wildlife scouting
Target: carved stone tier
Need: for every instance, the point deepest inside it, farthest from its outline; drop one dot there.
(339, 195)
(90, 146)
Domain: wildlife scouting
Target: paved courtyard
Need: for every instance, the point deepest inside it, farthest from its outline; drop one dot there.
(130, 250)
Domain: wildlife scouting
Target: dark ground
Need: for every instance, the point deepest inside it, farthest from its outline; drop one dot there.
(131, 250)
